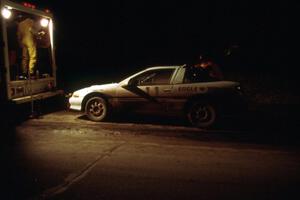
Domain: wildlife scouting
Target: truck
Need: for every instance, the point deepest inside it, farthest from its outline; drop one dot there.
(183, 90)
(27, 54)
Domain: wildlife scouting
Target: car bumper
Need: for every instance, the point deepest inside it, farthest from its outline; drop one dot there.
(75, 103)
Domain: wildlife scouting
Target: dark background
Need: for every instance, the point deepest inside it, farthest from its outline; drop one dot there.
(104, 41)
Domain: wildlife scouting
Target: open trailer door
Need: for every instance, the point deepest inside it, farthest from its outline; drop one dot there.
(28, 57)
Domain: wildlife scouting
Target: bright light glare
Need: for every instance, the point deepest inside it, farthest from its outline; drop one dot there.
(6, 13)
(44, 22)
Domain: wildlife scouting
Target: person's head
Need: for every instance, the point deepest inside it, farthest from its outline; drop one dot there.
(204, 57)
(205, 64)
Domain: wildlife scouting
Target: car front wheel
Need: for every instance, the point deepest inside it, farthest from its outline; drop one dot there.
(202, 115)
(96, 109)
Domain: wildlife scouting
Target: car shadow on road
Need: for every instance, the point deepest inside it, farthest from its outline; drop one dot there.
(266, 124)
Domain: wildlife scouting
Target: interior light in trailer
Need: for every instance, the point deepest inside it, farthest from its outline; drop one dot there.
(6, 13)
(44, 22)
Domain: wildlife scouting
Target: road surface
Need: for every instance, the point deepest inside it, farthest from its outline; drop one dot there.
(62, 155)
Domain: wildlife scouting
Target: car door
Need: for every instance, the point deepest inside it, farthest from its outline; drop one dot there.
(149, 91)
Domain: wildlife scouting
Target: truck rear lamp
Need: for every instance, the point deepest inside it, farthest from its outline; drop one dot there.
(44, 22)
(29, 5)
(6, 13)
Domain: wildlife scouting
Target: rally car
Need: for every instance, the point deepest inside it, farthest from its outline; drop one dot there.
(172, 90)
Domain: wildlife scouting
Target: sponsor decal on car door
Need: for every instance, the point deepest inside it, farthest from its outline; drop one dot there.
(148, 90)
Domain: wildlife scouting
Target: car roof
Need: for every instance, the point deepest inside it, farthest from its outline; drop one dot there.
(162, 67)
(152, 68)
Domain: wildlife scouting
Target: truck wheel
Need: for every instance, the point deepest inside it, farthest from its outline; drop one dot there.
(202, 115)
(96, 109)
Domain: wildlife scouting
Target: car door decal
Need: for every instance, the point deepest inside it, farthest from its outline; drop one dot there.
(136, 90)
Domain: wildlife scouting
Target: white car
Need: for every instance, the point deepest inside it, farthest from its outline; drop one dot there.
(172, 90)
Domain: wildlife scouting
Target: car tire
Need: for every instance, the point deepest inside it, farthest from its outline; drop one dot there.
(202, 115)
(96, 109)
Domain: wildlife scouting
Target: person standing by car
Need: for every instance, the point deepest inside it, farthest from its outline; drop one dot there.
(211, 67)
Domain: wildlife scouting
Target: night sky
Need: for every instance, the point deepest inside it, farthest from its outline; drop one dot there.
(121, 37)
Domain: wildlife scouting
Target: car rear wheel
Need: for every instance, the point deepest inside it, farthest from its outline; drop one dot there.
(96, 109)
(202, 115)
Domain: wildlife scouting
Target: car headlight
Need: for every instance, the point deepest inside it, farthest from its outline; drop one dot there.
(68, 95)
(75, 95)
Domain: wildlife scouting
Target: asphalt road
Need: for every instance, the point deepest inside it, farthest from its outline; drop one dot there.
(64, 156)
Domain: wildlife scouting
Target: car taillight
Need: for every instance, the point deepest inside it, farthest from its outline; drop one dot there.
(239, 89)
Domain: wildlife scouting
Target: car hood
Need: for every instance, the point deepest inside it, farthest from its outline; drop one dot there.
(105, 88)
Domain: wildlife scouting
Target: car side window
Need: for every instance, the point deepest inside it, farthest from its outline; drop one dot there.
(155, 77)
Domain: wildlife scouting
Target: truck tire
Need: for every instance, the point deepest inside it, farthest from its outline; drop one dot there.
(202, 115)
(96, 109)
